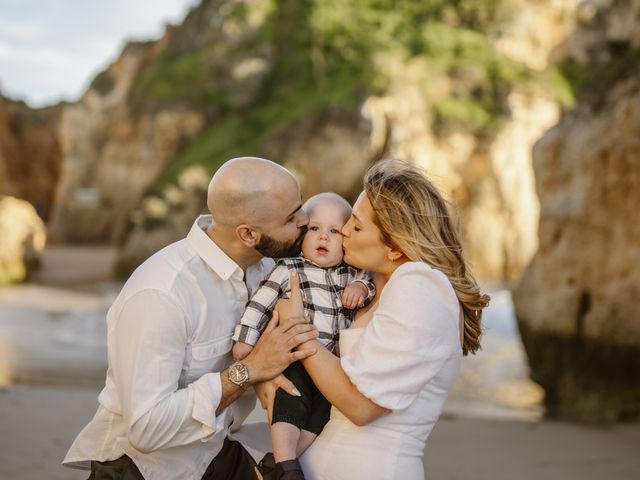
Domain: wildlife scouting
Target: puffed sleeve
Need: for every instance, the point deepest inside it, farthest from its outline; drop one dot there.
(409, 339)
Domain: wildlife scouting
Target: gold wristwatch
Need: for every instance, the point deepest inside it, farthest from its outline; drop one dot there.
(239, 374)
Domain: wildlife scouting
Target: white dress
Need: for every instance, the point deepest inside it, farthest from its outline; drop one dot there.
(406, 359)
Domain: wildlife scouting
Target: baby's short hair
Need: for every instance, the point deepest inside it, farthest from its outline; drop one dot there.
(328, 197)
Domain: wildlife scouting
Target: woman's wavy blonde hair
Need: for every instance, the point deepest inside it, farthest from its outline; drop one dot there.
(413, 217)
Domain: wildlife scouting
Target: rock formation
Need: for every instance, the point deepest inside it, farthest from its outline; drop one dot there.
(30, 154)
(538, 31)
(23, 238)
(577, 303)
(161, 220)
(111, 154)
(486, 171)
(490, 181)
(289, 80)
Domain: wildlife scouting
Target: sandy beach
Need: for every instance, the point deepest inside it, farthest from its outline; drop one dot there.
(53, 357)
(37, 425)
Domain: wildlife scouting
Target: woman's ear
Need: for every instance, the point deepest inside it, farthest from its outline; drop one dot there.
(393, 254)
(247, 235)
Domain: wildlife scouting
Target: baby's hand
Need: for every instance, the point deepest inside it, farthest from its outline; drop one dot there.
(354, 295)
(241, 350)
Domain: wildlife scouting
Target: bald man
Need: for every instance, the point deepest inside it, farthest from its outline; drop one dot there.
(171, 395)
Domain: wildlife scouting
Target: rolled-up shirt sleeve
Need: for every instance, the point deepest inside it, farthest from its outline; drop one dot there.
(207, 392)
(260, 307)
(149, 342)
(409, 339)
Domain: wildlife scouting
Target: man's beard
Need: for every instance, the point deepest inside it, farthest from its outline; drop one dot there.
(270, 247)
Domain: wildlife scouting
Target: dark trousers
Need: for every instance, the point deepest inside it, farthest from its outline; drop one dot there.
(310, 411)
(232, 463)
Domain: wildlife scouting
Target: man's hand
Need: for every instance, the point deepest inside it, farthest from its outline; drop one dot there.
(274, 350)
(241, 350)
(266, 392)
(354, 295)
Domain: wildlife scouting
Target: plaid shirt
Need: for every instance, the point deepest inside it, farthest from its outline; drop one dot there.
(321, 295)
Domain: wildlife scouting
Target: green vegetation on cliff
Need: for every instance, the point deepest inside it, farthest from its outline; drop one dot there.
(270, 63)
(591, 81)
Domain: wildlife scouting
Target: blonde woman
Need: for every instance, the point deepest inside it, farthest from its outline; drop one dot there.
(402, 354)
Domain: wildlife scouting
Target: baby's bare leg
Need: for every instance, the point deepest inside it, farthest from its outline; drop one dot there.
(284, 440)
(306, 439)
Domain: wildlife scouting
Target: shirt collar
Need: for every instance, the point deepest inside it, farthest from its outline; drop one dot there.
(207, 249)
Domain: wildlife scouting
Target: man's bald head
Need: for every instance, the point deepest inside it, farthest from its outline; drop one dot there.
(245, 190)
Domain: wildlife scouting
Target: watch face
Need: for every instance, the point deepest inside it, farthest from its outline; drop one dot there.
(238, 373)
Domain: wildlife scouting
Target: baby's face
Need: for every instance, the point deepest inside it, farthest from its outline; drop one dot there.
(322, 243)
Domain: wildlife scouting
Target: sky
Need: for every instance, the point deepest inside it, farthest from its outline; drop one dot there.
(50, 50)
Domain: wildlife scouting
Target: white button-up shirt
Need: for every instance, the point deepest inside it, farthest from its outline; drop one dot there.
(168, 336)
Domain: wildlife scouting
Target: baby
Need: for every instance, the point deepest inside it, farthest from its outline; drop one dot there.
(331, 289)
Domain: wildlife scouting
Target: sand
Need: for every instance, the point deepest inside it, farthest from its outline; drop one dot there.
(37, 425)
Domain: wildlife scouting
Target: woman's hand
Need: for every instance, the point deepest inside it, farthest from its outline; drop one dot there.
(266, 392)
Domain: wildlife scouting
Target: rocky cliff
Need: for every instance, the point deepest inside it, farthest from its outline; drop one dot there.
(22, 240)
(443, 96)
(303, 83)
(577, 302)
(30, 153)
(112, 153)
(326, 88)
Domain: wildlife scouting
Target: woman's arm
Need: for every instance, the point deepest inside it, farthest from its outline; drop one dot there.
(326, 371)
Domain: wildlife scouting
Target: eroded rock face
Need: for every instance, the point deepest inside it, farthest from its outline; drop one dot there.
(577, 304)
(30, 155)
(601, 28)
(22, 240)
(487, 174)
(490, 181)
(538, 30)
(120, 137)
(328, 152)
(111, 155)
(161, 220)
